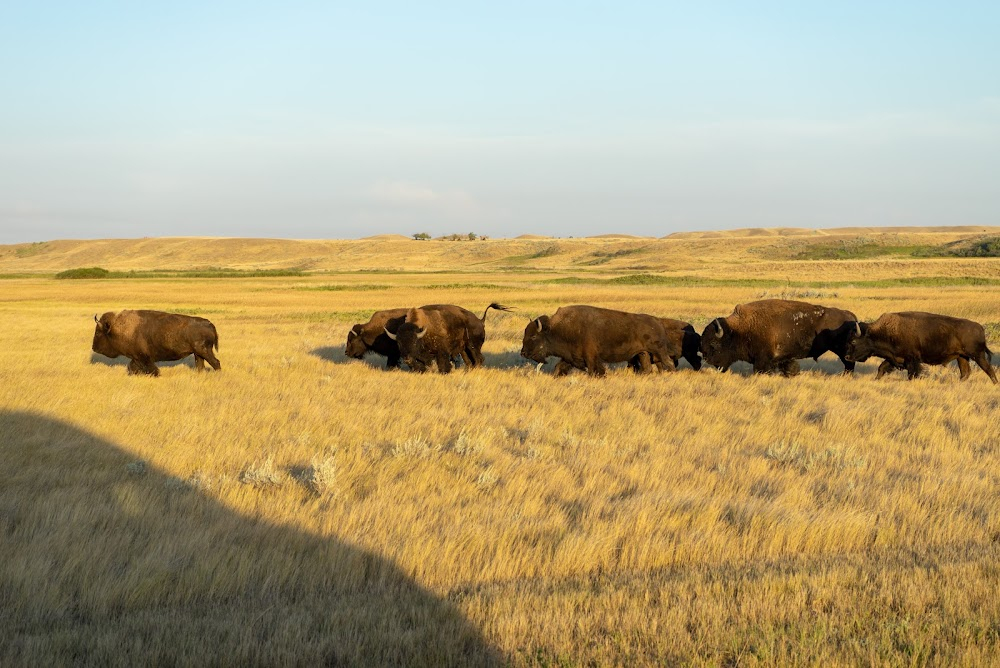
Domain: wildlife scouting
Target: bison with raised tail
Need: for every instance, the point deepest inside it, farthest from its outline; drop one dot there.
(587, 337)
(439, 332)
(773, 334)
(911, 339)
(147, 337)
(371, 337)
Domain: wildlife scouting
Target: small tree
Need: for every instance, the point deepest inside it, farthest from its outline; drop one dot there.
(421, 236)
(472, 236)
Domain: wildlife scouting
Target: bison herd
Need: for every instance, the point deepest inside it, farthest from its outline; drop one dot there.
(771, 335)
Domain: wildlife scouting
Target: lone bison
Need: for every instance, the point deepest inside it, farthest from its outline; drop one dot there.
(911, 339)
(371, 337)
(147, 337)
(681, 336)
(587, 337)
(773, 333)
(440, 332)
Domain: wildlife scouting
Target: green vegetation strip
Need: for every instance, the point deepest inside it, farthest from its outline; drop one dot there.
(345, 287)
(862, 249)
(700, 281)
(98, 272)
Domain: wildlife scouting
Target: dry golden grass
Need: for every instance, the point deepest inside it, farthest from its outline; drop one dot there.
(303, 508)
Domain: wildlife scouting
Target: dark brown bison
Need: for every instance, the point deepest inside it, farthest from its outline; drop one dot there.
(440, 332)
(147, 337)
(681, 336)
(587, 337)
(773, 333)
(911, 339)
(371, 337)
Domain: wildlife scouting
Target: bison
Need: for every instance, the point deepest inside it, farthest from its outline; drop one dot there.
(147, 337)
(911, 339)
(439, 332)
(371, 337)
(587, 337)
(682, 336)
(773, 333)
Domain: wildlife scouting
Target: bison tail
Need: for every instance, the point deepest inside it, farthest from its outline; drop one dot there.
(498, 307)
(216, 344)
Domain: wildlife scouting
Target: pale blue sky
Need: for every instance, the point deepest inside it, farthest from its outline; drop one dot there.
(321, 120)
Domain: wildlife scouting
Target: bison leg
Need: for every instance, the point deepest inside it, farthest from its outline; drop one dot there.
(983, 360)
(595, 366)
(636, 363)
(885, 367)
(443, 363)
(392, 362)
(213, 360)
(562, 368)
(913, 369)
(964, 370)
(477, 354)
(199, 362)
(848, 365)
(789, 368)
(644, 364)
(144, 367)
(204, 351)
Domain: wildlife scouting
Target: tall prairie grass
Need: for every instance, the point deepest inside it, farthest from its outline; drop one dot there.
(300, 507)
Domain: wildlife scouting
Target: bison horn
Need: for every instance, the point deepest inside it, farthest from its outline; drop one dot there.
(718, 328)
(350, 334)
(95, 318)
(421, 333)
(389, 334)
(538, 323)
(857, 328)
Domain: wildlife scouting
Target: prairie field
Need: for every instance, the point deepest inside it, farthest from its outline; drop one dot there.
(302, 508)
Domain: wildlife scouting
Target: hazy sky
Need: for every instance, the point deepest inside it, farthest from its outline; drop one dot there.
(323, 119)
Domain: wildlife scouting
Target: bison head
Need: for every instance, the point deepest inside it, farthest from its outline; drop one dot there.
(691, 347)
(718, 346)
(409, 337)
(103, 344)
(859, 344)
(534, 346)
(356, 346)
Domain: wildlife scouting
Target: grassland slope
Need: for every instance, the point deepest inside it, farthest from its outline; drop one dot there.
(763, 253)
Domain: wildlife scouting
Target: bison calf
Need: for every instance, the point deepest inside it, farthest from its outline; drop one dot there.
(147, 337)
(911, 339)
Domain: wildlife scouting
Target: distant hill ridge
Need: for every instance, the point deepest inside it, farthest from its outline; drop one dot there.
(683, 251)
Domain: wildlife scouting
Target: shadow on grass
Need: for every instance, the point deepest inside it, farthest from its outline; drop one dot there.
(335, 355)
(108, 561)
(123, 361)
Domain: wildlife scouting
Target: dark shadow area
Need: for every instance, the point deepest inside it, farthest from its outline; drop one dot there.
(335, 355)
(96, 358)
(828, 365)
(107, 561)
